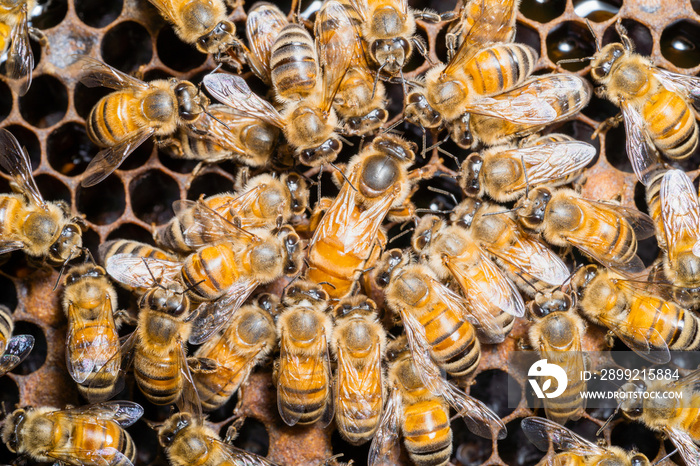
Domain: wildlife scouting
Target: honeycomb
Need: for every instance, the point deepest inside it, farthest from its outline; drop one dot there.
(131, 36)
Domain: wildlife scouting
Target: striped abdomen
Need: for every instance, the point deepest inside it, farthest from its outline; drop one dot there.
(12, 209)
(93, 435)
(294, 63)
(128, 246)
(671, 124)
(690, 414)
(676, 326)
(500, 67)
(96, 341)
(653, 198)
(615, 236)
(427, 433)
(114, 118)
(210, 271)
(158, 374)
(6, 327)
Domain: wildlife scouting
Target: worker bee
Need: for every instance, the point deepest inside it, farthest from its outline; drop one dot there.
(576, 451)
(641, 314)
(303, 372)
(165, 104)
(90, 435)
(246, 340)
(506, 172)
(14, 21)
(13, 349)
(187, 440)
(491, 298)
(27, 222)
(608, 233)
(496, 20)
(676, 415)
(360, 99)
(263, 25)
(348, 236)
(557, 333)
(359, 344)
(92, 341)
(264, 201)
(418, 408)
(655, 104)
(430, 312)
(136, 248)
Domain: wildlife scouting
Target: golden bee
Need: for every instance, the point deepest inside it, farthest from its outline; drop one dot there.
(248, 338)
(13, 349)
(608, 233)
(655, 104)
(418, 407)
(556, 333)
(136, 248)
(165, 104)
(187, 440)
(90, 435)
(359, 344)
(92, 341)
(263, 24)
(523, 257)
(504, 173)
(14, 21)
(264, 201)
(575, 450)
(303, 372)
(676, 416)
(495, 19)
(491, 298)
(349, 236)
(41, 229)
(642, 315)
(430, 312)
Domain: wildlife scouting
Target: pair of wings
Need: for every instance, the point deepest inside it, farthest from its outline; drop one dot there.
(15, 351)
(235, 455)
(640, 148)
(124, 413)
(680, 210)
(484, 22)
(20, 58)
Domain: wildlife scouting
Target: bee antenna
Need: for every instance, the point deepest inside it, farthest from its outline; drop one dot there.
(376, 79)
(344, 177)
(405, 232)
(397, 123)
(502, 212)
(442, 191)
(626, 41)
(595, 36)
(192, 286)
(63, 268)
(327, 283)
(88, 255)
(527, 182)
(434, 211)
(656, 463)
(443, 151)
(345, 141)
(284, 290)
(217, 120)
(573, 60)
(150, 272)
(607, 421)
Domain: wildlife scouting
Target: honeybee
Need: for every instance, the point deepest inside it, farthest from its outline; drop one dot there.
(92, 341)
(303, 372)
(359, 345)
(27, 222)
(655, 104)
(491, 298)
(86, 435)
(14, 20)
(136, 248)
(517, 252)
(348, 236)
(505, 172)
(264, 201)
(577, 451)
(360, 99)
(263, 24)
(187, 440)
(13, 349)
(166, 105)
(496, 19)
(418, 408)
(247, 339)
(430, 312)
(642, 315)
(608, 233)
(556, 333)
(676, 415)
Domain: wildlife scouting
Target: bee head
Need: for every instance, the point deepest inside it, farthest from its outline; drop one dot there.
(469, 175)
(219, 39)
(420, 112)
(632, 405)
(546, 303)
(69, 244)
(173, 426)
(390, 261)
(170, 300)
(605, 59)
(365, 124)
(326, 152)
(190, 102)
(12, 429)
(531, 209)
(298, 191)
(391, 54)
(353, 304)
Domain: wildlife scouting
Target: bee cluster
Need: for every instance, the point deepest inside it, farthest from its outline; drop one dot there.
(338, 135)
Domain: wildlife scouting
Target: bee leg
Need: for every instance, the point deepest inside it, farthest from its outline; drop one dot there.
(427, 16)
(607, 124)
(202, 365)
(610, 339)
(122, 316)
(39, 36)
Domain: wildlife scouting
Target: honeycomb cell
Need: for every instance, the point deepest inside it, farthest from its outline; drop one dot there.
(640, 35)
(542, 10)
(156, 73)
(146, 436)
(91, 240)
(524, 34)
(8, 293)
(101, 209)
(616, 151)
(602, 409)
(680, 43)
(356, 453)
(45, 103)
(85, 98)
(27, 139)
(469, 449)
(152, 195)
(634, 436)
(176, 54)
(127, 46)
(597, 10)
(5, 100)
(253, 437)
(208, 185)
(131, 231)
(570, 40)
(176, 165)
(98, 13)
(52, 188)
(139, 156)
(38, 355)
(497, 400)
(600, 109)
(696, 5)
(49, 14)
(516, 449)
(69, 149)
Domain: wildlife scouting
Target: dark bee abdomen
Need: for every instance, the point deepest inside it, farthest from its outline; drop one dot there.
(671, 124)
(158, 377)
(293, 63)
(427, 433)
(106, 126)
(501, 67)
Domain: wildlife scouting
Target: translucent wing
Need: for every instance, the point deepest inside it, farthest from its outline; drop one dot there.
(362, 9)
(212, 316)
(15, 160)
(262, 27)
(188, 401)
(688, 449)
(227, 375)
(140, 272)
(107, 160)
(208, 226)
(240, 457)
(9, 246)
(688, 86)
(97, 392)
(551, 161)
(540, 431)
(335, 36)
(688, 381)
(639, 149)
(167, 9)
(388, 433)
(233, 91)
(646, 342)
(17, 349)
(680, 210)
(20, 59)
(640, 222)
(124, 413)
(105, 456)
(210, 127)
(95, 74)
